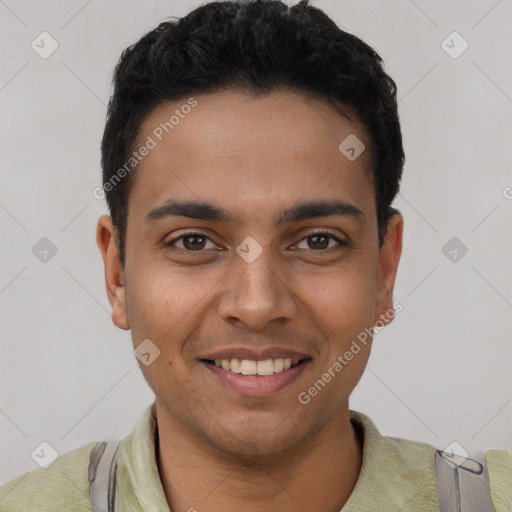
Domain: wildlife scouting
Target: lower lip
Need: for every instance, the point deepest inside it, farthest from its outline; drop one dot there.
(257, 385)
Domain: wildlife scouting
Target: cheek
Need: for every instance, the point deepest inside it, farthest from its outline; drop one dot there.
(345, 309)
(164, 302)
(161, 310)
(343, 300)
(343, 304)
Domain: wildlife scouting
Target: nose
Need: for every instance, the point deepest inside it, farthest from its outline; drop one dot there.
(256, 293)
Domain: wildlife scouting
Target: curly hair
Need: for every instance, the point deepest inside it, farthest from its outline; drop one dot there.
(258, 46)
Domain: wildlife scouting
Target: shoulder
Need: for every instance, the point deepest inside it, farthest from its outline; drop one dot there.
(396, 473)
(394, 449)
(499, 465)
(64, 485)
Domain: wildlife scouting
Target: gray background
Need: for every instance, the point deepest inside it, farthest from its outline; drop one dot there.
(440, 373)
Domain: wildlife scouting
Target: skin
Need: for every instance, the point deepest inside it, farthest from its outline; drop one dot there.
(254, 156)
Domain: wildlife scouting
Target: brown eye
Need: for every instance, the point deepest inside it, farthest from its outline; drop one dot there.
(191, 242)
(321, 241)
(318, 241)
(194, 242)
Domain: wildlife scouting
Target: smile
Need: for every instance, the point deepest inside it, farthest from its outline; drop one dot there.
(249, 367)
(250, 377)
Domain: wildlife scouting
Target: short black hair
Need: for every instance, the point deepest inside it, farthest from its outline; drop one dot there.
(258, 46)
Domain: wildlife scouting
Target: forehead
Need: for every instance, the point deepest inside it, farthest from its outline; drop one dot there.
(239, 149)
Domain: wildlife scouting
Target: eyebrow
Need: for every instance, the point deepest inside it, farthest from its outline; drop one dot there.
(206, 211)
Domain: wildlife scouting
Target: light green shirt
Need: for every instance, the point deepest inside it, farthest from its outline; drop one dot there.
(396, 475)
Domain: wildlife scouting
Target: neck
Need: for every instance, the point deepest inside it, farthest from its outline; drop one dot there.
(196, 476)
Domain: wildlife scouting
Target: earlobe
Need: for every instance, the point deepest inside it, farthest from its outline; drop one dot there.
(388, 266)
(114, 272)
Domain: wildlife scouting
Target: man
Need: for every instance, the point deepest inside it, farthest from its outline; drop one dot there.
(250, 158)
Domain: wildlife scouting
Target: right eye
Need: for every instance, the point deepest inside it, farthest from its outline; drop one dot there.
(192, 242)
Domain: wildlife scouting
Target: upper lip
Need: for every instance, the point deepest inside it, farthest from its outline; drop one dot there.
(254, 355)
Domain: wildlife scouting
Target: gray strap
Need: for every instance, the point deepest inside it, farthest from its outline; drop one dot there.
(102, 477)
(462, 484)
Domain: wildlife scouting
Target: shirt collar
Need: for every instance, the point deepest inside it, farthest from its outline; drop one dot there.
(395, 474)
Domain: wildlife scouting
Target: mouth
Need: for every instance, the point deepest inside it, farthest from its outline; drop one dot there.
(256, 378)
(250, 367)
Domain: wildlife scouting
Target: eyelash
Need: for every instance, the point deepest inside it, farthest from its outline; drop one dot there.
(169, 244)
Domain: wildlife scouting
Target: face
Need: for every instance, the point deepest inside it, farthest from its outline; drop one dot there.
(251, 244)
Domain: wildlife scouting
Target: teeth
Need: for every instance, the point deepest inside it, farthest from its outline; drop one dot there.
(248, 367)
(265, 367)
(235, 365)
(278, 365)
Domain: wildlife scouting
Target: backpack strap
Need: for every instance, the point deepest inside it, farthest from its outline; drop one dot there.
(462, 484)
(102, 477)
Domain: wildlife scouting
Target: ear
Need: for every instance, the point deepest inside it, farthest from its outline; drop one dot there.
(389, 257)
(114, 273)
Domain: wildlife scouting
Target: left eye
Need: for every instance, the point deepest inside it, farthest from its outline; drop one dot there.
(319, 241)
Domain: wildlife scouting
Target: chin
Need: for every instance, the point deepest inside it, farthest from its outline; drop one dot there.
(252, 442)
